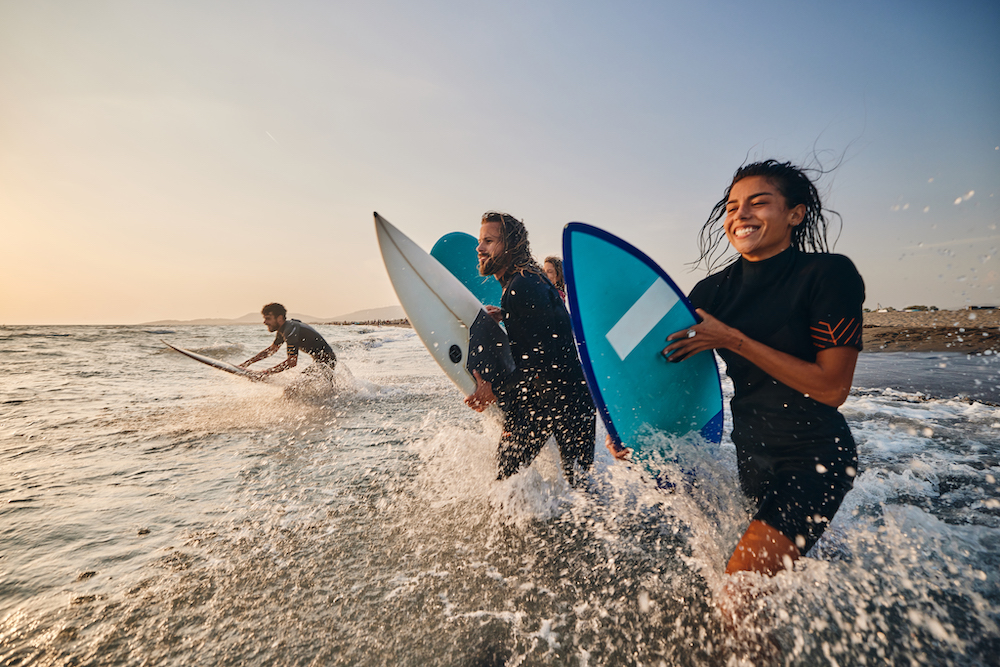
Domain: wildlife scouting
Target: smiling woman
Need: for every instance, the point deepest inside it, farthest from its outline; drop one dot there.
(788, 324)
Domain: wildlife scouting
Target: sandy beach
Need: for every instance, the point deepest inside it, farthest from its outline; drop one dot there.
(968, 331)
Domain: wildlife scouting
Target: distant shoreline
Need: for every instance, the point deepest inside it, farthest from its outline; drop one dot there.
(965, 331)
(233, 323)
(372, 323)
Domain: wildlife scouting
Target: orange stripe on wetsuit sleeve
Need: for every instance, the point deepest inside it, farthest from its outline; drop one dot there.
(831, 336)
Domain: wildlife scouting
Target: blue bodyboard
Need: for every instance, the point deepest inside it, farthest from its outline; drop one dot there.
(457, 252)
(623, 307)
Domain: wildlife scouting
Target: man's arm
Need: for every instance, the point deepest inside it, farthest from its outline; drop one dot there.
(290, 362)
(264, 354)
(480, 399)
(531, 317)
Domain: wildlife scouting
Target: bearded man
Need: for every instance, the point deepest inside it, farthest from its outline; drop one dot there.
(547, 395)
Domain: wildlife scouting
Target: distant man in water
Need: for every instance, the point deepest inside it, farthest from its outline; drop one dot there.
(547, 395)
(295, 335)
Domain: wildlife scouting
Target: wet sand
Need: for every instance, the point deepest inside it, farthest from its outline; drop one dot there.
(966, 331)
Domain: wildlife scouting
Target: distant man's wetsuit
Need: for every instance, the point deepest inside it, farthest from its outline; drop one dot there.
(299, 336)
(548, 394)
(797, 458)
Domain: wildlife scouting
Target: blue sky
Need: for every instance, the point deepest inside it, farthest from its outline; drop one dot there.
(192, 159)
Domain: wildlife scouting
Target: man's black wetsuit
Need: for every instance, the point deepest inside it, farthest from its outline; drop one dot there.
(796, 456)
(299, 336)
(548, 394)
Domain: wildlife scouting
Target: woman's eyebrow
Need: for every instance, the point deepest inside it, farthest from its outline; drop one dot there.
(756, 194)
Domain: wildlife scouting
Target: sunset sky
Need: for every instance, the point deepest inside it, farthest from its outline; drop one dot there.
(198, 159)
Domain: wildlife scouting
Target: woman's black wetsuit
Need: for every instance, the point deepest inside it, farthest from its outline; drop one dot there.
(797, 458)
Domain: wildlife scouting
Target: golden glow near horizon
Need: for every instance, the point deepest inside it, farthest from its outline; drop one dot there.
(182, 162)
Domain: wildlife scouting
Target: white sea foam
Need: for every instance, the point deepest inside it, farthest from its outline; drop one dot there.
(366, 522)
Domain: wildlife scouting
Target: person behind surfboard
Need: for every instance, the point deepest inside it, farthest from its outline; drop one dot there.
(295, 335)
(786, 318)
(554, 272)
(547, 395)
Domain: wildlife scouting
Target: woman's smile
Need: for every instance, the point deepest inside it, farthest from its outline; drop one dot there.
(744, 231)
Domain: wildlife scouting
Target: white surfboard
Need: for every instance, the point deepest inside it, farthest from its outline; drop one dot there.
(214, 363)
(449, 319)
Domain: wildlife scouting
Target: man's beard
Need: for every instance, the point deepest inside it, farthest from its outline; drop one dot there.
(491, 266)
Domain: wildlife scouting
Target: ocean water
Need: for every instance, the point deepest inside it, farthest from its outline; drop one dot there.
(155, 511)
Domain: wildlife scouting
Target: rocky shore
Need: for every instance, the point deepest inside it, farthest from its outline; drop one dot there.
(967, 331)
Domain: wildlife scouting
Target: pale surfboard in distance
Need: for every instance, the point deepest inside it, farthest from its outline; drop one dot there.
(214, 363)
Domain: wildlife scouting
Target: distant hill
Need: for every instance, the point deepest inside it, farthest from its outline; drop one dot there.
(385, 313)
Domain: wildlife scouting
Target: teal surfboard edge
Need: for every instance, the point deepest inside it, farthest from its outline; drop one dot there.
(709, 399)
(457, 252)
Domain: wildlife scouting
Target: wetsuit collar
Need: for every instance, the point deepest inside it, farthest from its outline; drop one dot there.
(781, 259)
(766, 270)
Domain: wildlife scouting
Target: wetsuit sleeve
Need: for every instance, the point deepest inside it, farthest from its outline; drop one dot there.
(529, 313)
(293, 338)
(835, 311)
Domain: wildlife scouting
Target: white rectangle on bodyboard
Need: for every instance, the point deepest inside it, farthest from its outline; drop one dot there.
(640, 319)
